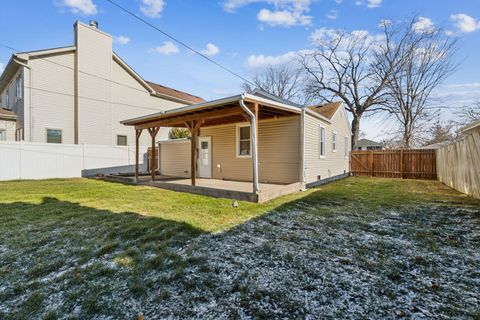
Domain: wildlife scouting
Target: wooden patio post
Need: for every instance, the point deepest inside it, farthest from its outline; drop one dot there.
(138, 132)
(193, 127)
(153, 133)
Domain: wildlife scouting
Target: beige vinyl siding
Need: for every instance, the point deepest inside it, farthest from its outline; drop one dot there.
(334, 163)
(175, 158)
(278, 148)
(129, 100)
(52, 97)
(15, 104)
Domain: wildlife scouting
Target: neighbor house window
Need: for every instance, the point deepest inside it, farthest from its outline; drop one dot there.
(346, 147)
(243, 141)
(7, 99)
(322, 139)
(121, 140)
(19, 134)
(3, 135)
(334, 142)
(54, 136)
(18, 87)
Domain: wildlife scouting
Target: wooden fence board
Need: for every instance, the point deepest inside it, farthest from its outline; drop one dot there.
(407, 164)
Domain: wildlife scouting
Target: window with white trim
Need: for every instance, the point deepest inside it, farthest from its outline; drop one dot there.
(3, 135)
(18, 88)
(7, 99)
(346, 147)
(244, 144)
(54, 136)
(322, 139)
(334, 141)
(121, 140)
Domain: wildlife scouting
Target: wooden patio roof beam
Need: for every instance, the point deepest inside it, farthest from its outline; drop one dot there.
(180, 121)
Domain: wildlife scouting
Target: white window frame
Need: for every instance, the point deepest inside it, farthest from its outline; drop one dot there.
(322, 142)
(237, 140)
(61, 135)
(3, 135)
(334, 141)
(345, 147)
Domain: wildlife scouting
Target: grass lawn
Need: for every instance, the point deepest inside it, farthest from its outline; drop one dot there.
(82, 248)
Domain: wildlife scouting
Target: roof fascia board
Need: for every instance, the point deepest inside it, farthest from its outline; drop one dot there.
(317, 115)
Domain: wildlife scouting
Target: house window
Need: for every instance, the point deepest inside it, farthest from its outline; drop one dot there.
(322, 139)
(19, 134)
(334, 142)
(121, 140)
(18, 88)
(346, 147)
(54, 136)
(3, 135)
(243, 141)
(7, 99)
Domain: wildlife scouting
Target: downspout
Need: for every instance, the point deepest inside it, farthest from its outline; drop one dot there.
(303, 185)
(253, 134)
(29, 99)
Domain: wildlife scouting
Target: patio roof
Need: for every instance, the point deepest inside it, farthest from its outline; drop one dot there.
(221, 111)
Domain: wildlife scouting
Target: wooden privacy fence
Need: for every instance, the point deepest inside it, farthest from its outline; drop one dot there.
(405, 164)
(459, 164)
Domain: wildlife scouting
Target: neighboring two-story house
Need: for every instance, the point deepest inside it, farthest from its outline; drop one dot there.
(79, 94)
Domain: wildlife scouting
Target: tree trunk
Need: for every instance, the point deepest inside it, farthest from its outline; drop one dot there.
(355, 130)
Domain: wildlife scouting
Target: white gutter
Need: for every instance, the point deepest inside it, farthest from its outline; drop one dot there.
(253, 134)
(30, 129)
(302, 150)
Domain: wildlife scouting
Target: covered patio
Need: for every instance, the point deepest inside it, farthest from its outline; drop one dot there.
(232, 110)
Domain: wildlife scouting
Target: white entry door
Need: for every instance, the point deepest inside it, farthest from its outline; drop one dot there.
(205, 157)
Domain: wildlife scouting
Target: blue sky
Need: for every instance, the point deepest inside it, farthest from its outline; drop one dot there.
(243, 35)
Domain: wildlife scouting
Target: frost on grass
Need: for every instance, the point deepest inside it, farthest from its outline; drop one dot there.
(304, 262)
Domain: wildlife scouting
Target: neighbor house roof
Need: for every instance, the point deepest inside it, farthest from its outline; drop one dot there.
(175, 93)
(7, 114)
(327, 110)
(368, 143)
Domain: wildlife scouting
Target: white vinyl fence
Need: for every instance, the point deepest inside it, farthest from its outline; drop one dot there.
(23, 160)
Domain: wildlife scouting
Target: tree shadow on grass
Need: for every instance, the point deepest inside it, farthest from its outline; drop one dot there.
(60, 258)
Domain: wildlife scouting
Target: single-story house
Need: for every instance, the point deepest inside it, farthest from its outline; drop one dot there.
(79, 93)
(365, 144)
(250, 143)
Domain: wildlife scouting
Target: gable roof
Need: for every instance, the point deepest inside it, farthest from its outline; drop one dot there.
(368, 143)
(174, 93)
(7, 114)
(327, 110)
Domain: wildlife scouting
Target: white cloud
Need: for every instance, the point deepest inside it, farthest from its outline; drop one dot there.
(152, 8)
(423, 25)
(283, 18)
(374, 3)
(465, 23)
(168, 47)
(338, 1)
(85, 7)
(211, 50)
(332, 14)
(285, 13)
(262, 61)
(121, 40)
(369, 3)
(2, 67)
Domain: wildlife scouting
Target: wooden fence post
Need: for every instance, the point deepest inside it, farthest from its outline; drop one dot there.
(401, 163)
(371, 163)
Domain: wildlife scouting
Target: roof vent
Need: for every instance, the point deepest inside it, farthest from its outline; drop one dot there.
(94, 24)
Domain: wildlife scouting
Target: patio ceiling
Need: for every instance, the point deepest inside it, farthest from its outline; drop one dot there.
(214, 113)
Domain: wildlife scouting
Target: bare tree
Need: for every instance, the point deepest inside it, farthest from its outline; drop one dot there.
(427, 62)
(440, 132)
(283, 81)
(355, 68)
(470, 113)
